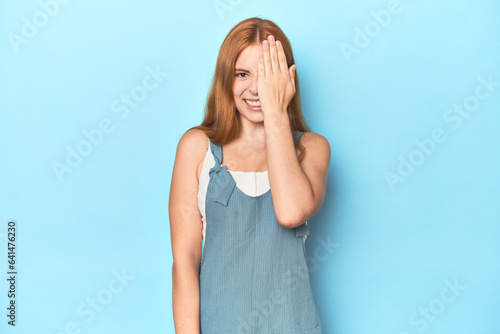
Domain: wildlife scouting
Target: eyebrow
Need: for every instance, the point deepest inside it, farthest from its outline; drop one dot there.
(241, 70)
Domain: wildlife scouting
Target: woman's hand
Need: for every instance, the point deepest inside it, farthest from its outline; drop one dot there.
(276, 82)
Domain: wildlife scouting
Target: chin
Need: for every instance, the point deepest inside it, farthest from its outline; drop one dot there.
(254, 119)
(251, 116)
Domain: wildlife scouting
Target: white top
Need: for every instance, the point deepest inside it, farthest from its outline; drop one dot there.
(251, 183)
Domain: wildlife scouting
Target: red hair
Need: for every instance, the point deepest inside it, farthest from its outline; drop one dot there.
(221, 122)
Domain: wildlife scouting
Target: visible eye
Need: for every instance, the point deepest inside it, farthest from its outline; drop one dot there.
(239, 74)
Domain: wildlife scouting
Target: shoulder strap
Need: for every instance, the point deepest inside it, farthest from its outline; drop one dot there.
(216, 152)
(220, 179)
(297, 135)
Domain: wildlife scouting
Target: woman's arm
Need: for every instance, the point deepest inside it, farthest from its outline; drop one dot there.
(298, 189)
(185, 232)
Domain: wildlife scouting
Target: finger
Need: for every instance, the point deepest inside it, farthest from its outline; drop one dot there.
(292, 71)
(261, 70)
(274, 54)
(267, 59)
(281, 56)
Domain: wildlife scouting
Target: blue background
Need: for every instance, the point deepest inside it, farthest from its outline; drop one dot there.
(397, 249)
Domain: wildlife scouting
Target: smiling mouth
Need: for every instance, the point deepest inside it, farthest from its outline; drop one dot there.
(253, 103)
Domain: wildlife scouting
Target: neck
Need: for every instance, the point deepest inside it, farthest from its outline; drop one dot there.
(251, 132)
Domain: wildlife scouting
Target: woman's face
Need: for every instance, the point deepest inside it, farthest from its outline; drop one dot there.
(245, 84)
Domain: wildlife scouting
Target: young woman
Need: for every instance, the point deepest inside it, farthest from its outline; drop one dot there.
(244, 184)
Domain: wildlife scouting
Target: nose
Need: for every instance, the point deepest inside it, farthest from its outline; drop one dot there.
(253, 86)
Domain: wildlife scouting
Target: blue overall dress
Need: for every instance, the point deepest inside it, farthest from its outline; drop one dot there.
(253, 271)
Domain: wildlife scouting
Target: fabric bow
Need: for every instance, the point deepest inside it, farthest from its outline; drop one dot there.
(223, 182)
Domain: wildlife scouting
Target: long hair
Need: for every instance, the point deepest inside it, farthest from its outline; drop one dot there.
(221, 122)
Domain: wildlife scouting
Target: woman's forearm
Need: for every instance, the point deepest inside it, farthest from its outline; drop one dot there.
(292, 193)
(186, 298)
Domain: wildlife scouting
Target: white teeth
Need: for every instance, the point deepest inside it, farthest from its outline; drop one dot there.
(253, 103)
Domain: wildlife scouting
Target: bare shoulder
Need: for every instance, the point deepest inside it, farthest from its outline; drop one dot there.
(193, 139)
(192, 148)
(314, 142)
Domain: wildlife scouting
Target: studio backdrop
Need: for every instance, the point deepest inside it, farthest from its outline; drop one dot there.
(95, 95)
